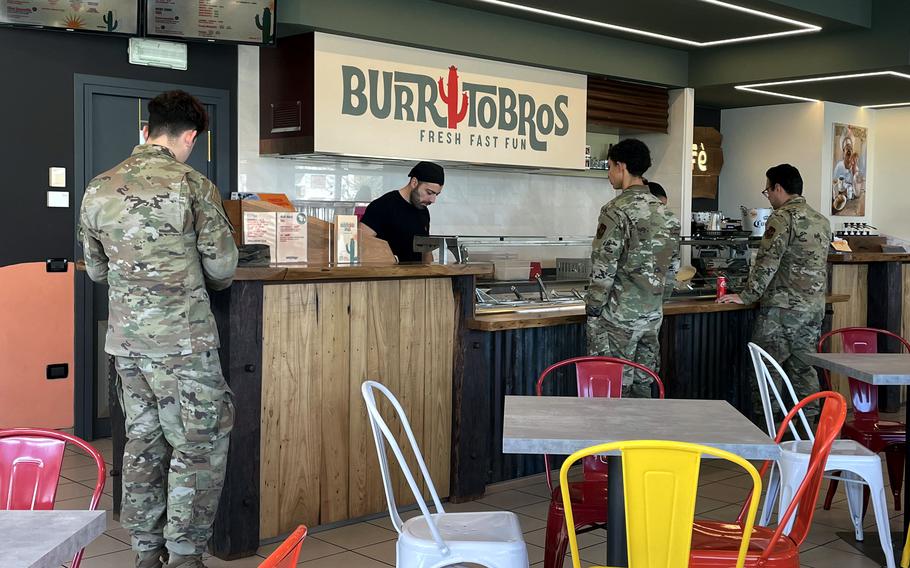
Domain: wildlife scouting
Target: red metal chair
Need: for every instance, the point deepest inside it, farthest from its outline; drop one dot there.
(30, 463)
(866, 427)
(285, 556)
(595, 377)
(716, 544)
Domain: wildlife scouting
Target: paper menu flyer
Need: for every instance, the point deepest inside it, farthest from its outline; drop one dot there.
(346, 243)
(292, 237)
(261, 228)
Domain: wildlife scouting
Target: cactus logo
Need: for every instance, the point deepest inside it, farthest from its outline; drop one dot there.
(450, 98)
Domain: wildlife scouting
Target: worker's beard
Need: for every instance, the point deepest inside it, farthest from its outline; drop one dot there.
(415, 200)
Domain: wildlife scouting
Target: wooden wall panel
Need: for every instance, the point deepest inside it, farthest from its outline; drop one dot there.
(440, 348)
(618, 104)
(334, 302)
(848, 279)
(321, 341)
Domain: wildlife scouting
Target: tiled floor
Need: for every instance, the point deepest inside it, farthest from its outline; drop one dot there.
(371, 544)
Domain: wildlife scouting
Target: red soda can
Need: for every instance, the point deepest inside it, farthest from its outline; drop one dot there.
(721, 286)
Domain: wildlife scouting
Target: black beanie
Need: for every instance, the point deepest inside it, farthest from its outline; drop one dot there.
(428, 172)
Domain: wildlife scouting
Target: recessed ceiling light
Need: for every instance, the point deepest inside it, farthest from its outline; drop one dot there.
(803, 27)
(761, 88)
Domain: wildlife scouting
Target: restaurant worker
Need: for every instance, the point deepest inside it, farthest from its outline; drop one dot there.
(154, 230)
(635, 258)
(401, 214)
(789, 278)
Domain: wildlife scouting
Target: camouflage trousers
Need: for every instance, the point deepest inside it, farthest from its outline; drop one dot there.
(607, 339)
(786, 335)
(179, 413)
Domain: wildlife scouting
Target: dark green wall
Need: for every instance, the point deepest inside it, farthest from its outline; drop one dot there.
(461, 30)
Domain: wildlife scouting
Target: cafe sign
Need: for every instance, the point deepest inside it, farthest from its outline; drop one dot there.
(389, 101)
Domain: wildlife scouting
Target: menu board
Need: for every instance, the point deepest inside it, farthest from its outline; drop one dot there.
(108, 16)
(237, 21)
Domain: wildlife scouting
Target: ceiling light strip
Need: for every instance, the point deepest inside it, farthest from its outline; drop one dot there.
(760, 87)
(804, 27)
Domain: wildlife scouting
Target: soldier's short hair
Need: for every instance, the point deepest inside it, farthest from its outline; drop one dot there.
(633, 153)
(656, 189)
(175, 112)
(787, 176)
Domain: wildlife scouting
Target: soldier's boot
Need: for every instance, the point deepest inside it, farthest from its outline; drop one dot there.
(180, 561)
(152, 558)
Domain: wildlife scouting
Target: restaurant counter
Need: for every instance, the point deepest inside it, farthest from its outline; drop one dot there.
(297, 341)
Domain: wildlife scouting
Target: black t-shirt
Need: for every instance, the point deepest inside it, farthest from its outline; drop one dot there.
(396, 221)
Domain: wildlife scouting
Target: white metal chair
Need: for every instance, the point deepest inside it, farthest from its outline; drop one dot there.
(492, 539)
(859, 466)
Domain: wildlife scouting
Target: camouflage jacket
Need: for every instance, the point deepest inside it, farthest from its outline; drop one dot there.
(634, 259)
(155, 231)
(791, 270)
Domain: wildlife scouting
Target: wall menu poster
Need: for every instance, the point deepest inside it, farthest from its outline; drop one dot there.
(241, 21)
(109, 16)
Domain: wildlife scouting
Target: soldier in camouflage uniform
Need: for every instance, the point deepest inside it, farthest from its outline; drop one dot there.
(635, 258)
(155, 231)
(789, 278)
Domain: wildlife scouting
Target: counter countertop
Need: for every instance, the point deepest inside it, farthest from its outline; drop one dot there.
(864, 257)
(576, 314)
(305, 272)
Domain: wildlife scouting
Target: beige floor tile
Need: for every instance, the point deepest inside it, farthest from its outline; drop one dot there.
(357, 536)
(529, 524)
(384, 551)
(540, 490)
(537, 510)
(724, 514)
(511, 499)
(122, 559)
(344, 560)
(707, 476)
(248, 562)
(539, 538)
(535, 554)
(83, 473)
(73, 490)
(725, 493)
(81, 503)
(469, 507)
(312, 549)
(120, 534)
(596, 554)
(73, 461)
(104, 544)
(825, 557)
(386, 522)
(705, 504)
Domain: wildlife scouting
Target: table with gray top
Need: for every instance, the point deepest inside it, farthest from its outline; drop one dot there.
(876, 369)
(563, 425)
(46, 539)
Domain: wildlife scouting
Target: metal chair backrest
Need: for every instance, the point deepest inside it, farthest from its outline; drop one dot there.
(286, 555)
(830, 421)
(30, 463)
(595, 377)
(660, 484)
(767, 388)
(383, 436)
(861, 340)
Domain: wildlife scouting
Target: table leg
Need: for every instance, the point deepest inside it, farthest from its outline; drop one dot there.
(617, 553)
(906, 469)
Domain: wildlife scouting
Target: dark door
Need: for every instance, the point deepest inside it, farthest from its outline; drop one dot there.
(109, 120)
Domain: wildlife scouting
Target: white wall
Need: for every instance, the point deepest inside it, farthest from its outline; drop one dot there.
(757, 138)
(890, 196)
(671, 155)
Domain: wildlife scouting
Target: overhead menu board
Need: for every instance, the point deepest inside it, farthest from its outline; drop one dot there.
(237, 21)
(107, 16)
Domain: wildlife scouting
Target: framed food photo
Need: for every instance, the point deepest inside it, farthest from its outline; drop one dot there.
(848, 181)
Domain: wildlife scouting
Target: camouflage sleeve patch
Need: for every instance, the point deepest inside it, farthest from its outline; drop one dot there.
(605, 253)
(96, 260)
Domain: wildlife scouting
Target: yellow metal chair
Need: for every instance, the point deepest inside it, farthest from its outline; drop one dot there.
(660, 486)
(905, 557)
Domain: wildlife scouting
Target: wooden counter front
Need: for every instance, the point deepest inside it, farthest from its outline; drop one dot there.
(576, 314)
(307, 272)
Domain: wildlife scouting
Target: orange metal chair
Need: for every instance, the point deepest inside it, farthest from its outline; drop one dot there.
(30, 463)
(660, 483)
(285, 556)
(595, 377)
(716, 544)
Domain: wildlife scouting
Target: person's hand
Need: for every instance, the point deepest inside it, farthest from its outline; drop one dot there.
(729, 299)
